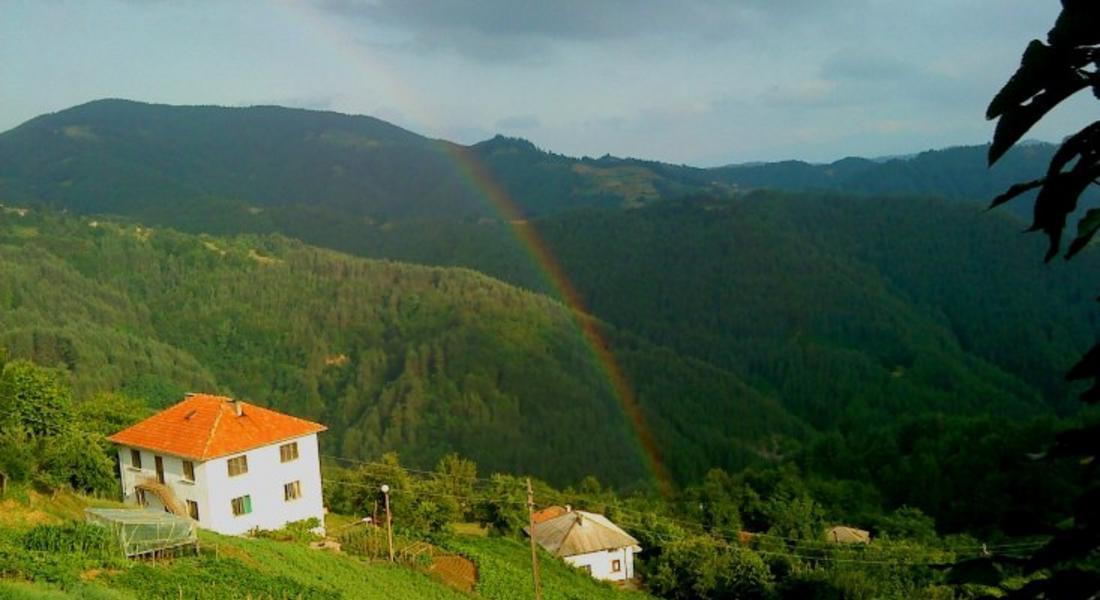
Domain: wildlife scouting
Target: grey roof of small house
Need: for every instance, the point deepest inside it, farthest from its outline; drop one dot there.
(581, 532)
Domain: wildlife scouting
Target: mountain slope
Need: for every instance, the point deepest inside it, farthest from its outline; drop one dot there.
(890, 304)
(420, 360)
(166, 162)
(887, 304)
(881, 305)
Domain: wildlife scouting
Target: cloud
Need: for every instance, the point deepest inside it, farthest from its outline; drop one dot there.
(506, 30)
(518, 122)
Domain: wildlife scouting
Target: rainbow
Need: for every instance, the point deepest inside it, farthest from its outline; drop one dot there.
(482, 183)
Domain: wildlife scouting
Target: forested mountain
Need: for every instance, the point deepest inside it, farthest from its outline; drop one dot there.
(832, 303)
(848, 309)
(173, 164)
(390, 356)
(297, 171)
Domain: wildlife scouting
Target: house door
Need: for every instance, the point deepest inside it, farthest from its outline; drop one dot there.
(160, 469)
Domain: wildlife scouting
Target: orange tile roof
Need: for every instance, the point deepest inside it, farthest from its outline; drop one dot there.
(203, 427)
(547, 513)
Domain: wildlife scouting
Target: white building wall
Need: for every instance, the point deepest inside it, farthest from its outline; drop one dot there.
(173, 477)
(214, 490)
(600, 563)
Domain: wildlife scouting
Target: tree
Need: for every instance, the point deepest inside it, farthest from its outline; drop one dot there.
(504, 508)
(34, 398)
(707, 568)
(1049, 73)
(108, 412)
(455, 477)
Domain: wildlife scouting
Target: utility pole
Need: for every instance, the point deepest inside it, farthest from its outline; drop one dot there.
(531, 531)
(389, 519)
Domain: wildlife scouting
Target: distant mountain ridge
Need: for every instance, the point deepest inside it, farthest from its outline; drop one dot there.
(170, 163)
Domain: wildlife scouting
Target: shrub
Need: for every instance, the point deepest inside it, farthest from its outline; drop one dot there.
(71, 538)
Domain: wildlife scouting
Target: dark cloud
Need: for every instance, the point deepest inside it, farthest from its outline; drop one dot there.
(505, 29)
(568, 19)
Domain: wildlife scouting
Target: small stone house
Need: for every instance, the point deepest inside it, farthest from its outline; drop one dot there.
(588, 541)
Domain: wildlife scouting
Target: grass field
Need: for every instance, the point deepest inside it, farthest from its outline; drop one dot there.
(259, 569)
(226, 568)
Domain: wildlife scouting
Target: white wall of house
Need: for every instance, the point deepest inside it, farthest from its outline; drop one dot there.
(214, 490)
(600, 564)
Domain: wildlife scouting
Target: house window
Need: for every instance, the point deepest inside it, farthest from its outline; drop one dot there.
(189, 471)
(616, 566)
(193, 509)
(292, 491)
(135, 459)
(241, 506)
(238, 465)
(288, 452)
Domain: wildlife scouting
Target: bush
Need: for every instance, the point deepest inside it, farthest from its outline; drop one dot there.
(295, 531)
(704, 568)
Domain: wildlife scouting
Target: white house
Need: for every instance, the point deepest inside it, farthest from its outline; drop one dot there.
(229, 465)
(589, 541)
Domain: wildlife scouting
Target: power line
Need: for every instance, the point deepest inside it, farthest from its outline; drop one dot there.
(404, 468)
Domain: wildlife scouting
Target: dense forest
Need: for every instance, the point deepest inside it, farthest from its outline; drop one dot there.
(390, 356)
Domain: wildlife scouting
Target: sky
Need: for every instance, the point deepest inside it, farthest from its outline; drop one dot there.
(700, 82)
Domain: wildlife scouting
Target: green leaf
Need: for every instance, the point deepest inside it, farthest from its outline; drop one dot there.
(1077, 25)
(1057, 199)
(1024, 83)
(1084, 144)
(1045, 78)
(1014, 191)
(1086, 229)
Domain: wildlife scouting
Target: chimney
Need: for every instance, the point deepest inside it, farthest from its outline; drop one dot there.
(568, 508)
(238, 407)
